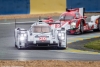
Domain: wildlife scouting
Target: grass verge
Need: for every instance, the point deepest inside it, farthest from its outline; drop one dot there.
(93, 45)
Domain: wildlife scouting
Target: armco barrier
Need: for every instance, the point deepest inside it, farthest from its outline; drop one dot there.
(14, 7)
(47, 6)
(89, 5)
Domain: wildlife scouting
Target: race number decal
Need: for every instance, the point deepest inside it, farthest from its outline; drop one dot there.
(42, 38)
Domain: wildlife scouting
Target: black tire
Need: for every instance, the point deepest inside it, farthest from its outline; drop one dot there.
(81, 28)
(95, 30)
(15, 45)
(99, 25)
(61, 48)
(19, 48)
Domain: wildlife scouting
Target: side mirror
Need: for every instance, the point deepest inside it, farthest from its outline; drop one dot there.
(85, 16)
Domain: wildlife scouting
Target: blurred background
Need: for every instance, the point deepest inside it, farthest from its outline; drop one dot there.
(45, 6)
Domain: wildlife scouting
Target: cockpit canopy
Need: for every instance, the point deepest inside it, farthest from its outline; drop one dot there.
(41, 29)
(66, 17)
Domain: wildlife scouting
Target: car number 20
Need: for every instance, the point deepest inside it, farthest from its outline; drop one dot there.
(42, 38)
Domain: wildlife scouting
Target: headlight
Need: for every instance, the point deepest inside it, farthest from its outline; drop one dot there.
(73, 25)
(24, 35)
(61, 36)
(22, 38)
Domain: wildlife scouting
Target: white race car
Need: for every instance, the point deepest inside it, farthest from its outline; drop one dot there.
(40, 34)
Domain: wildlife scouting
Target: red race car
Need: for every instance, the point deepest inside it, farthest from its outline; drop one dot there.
(74, 21)
(48, 20)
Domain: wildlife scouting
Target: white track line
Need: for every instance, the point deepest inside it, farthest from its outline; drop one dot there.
(19, 22)
(5, 23)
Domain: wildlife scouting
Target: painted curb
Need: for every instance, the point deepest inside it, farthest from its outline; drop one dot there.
(81, 38)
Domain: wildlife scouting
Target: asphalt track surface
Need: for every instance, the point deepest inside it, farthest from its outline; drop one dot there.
(9, 52)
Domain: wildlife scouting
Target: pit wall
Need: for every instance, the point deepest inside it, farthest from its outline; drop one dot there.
(45, 6)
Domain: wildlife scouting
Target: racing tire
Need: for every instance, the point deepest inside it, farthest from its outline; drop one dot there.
(99, 25)
(20, 47)
(15, 45)
(81, 28)
(95, 30)
(61, 48)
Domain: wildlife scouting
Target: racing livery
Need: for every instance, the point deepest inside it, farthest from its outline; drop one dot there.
(40, 34)
(76, 23)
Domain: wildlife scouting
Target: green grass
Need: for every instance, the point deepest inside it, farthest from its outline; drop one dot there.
(93, 45)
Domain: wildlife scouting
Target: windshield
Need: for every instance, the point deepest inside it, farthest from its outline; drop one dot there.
(41, 29)
(66, 17)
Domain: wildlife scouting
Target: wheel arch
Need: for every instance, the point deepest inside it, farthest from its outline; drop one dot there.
(83, 21)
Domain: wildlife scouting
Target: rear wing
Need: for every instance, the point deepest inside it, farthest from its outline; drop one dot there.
(80, 10)
(54, 23)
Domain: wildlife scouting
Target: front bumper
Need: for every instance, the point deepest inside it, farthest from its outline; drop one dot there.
(73, 31)
(42, 44)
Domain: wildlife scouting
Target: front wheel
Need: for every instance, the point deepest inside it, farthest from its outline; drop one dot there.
(61, 47)
(99, 26)
(81, 28)
(19, 47)
(15, 45)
